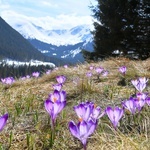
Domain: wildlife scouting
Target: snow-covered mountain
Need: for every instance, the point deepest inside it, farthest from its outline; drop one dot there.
(58, 43)
(55, 37)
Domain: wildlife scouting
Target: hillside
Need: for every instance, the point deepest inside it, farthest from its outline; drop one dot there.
(29, 124)
(15, 47)
(70, 54)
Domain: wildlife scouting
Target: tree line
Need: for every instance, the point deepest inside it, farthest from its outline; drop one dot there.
(21, 70)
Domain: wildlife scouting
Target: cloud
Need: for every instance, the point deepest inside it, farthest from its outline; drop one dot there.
(48, 7)
(48, 4)
(47, 22)
(3, 6)
(49, 14)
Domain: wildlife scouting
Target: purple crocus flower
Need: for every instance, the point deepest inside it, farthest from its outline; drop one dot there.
(48, 71)
(10, 80)
(3, 120)
(54, 108)
(82, 130)
(57, 95)
(140, 103)
(36, 74)
(65, 66)
(86, 111)
(23, 78)
(142, 96)
(123, 69)
(83, 111)
(148, 101)
(143, 80)
(57, 86)
(96, 113)
(140, 84)
(91, 67)
(99, 70)
(3, 80)
(27, 76)
(104, 73)
(55, 104)
(134, 82)
(88, 74)
(114, 115)
(130, 105)
(61, 79)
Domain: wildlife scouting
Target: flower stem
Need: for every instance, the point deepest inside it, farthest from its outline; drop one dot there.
(84, 147)
(52, 138)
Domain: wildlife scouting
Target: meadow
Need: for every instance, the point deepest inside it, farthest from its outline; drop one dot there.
(29, 124)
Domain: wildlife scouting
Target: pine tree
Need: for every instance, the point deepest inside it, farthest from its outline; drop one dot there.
(120, 26)
(143, 30)
(107, 27)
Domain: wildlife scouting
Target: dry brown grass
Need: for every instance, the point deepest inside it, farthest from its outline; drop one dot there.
(28, 122)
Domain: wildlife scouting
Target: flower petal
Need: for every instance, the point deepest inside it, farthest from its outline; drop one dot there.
(110, 113)
(48, 106)
(74, 129)
(118, 112)
(91, 127)
(83, 128)
(3, 120)
(58, 106)
(80, 110)
(62, 95)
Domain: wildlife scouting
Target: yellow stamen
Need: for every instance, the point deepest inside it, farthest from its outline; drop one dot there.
(138, 98)
(95, 105)
(80, 119)
(54, 99)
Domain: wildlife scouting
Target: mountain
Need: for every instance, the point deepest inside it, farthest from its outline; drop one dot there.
(55, 37)
(70, 53)
(63, 44)
(16, 47)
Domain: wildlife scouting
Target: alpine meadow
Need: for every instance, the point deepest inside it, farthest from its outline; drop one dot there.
(102, 105)
(99, 100)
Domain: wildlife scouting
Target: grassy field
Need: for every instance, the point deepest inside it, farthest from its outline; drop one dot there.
(28, 126)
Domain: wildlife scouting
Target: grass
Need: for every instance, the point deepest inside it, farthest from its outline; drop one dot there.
(28, 126)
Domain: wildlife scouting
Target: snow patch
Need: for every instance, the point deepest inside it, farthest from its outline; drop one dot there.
(31, 63)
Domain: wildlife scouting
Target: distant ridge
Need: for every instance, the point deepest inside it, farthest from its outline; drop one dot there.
(14, 46)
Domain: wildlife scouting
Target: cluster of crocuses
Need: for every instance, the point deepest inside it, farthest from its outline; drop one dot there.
(98, 70)
(36, 74)
(56, 101)
(25, 77)
(141, 98)
(88, 114)
(8, 80)
(11, 80)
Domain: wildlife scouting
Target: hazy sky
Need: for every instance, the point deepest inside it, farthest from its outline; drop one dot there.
(58, 12)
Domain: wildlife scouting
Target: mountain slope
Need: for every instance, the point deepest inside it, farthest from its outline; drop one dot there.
(14, 46)
(69, 53)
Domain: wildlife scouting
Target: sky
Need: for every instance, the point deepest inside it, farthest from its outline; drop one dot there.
(49, 14)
